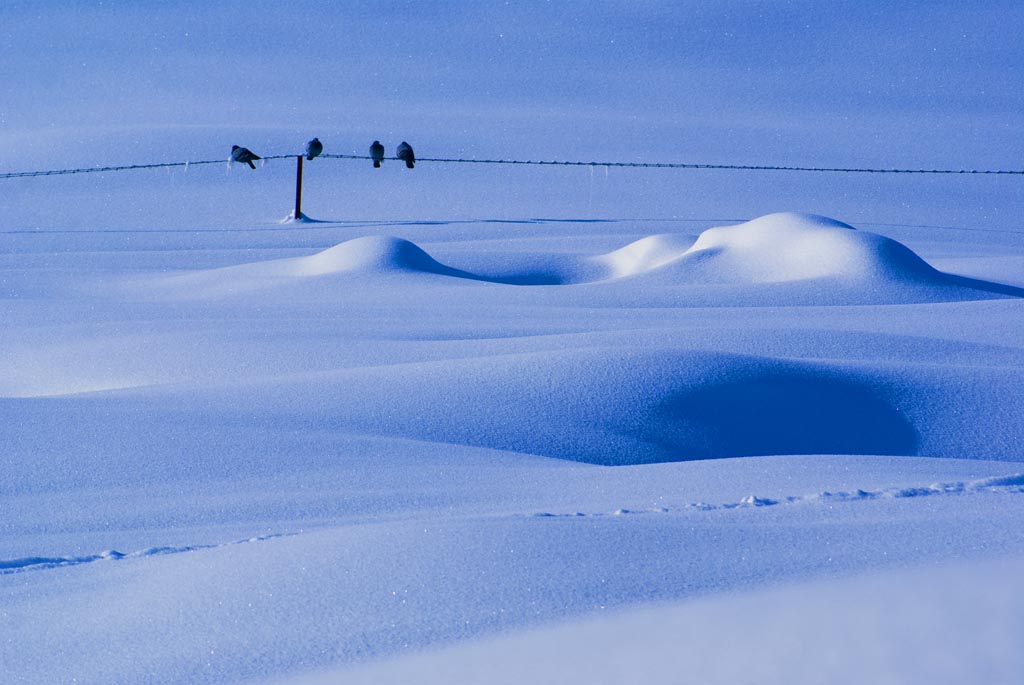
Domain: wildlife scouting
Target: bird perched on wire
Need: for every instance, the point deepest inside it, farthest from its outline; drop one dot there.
(243, 155)
(376, 153)
(314, 148)
(406, 154)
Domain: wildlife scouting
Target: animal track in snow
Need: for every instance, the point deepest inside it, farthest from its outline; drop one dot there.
(1006, 484)
(8, 566)
(1001, 484)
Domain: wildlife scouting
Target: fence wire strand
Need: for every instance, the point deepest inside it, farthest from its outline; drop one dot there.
(451, 160)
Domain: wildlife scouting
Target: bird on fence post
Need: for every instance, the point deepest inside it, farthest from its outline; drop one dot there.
(243, 155)
(314, 148)
(406, 154)
(376, 153)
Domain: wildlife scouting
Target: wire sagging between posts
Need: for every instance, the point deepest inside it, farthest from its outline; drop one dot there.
(451, 160)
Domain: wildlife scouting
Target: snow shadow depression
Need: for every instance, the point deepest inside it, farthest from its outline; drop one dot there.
(780, 412)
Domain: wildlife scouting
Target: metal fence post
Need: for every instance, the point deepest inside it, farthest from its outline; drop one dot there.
(298, 190)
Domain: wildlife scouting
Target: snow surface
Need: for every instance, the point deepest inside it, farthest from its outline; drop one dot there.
(270, 468)
(812, 633)
(667, 431)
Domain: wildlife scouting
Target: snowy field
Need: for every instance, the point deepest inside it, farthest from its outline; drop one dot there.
(512, 424)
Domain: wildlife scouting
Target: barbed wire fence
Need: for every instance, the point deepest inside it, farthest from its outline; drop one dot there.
(456, 160)
(297, 213)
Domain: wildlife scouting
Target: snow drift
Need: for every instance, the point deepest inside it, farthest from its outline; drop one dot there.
(792, 258)
(367, 255)
(601, 405)
(363, 258)
(794, 247)
(780, 259)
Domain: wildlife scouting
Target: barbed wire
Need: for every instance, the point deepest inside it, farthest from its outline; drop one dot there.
(126, 167)
(452, 160)
(685, 165)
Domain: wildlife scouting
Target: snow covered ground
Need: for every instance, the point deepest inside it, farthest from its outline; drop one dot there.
(428, 438)
(285, 465)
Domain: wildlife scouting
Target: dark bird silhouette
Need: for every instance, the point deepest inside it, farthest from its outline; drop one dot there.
(406, 154)
(244, 155)
(376, 154)
(314, 148)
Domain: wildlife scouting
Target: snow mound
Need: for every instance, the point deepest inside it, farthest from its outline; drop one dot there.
(785, 259)
(792, 247)
(777, 248)
(362, 258)
(376, 253)
(786, 247)
(643, 255)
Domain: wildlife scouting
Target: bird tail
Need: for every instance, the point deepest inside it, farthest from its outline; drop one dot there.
(251, 165)
(376, 164)
(409, 164)
(309, 158)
